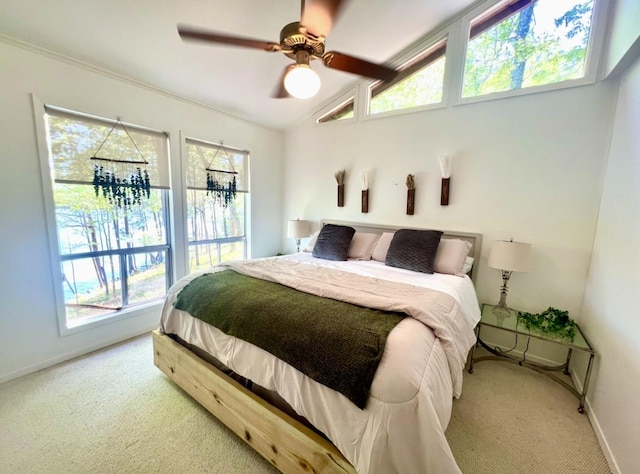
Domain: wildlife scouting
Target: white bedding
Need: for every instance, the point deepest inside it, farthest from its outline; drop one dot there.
(402, 428)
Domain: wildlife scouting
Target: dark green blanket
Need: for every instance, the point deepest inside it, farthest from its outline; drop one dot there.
(335, 343)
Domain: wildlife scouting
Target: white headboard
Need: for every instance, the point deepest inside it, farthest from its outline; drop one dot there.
(475, 239)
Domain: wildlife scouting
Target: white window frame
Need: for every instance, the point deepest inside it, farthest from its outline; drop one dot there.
(334, 104)
(404, 58)
(457, 33)
(54, 247)
(592, 60)
(247, 198)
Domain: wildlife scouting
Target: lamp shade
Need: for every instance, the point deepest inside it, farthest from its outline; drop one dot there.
(298, 229)
(510, 256)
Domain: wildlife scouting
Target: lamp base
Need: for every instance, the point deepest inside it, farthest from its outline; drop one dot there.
(501, 311)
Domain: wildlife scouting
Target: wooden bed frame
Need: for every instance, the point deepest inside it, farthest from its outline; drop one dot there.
(284, 442)
(280, 439)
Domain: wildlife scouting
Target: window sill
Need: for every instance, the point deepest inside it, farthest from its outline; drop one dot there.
(408, 110)
(131, 312)
(583, 81)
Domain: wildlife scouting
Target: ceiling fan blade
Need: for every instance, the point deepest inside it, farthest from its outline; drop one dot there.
(281, 92)
(188, 33)
(346, 63)
(318, 16)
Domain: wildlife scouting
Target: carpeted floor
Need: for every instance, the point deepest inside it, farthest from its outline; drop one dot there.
(510, 419)
(114, 412)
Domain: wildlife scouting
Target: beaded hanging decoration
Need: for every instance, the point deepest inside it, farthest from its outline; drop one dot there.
(122, 182)
(223, 193)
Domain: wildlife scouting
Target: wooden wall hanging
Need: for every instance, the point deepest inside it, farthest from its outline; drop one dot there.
(123, 182)
(444, 192)
(223, 192)
(411, 193)
(340, 180)
(365, 193)
(445, 170)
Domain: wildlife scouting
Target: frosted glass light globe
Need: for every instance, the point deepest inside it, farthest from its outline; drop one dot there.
(302, 82)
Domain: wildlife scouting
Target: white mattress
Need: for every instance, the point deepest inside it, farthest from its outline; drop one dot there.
(402, 427)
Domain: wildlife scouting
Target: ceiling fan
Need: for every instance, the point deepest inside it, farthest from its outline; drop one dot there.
(302, 41)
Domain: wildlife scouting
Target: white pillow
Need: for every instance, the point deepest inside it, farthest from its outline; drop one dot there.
(451, 256)
(382, 247)
(312, 242)
(362, 246)
(468, 265)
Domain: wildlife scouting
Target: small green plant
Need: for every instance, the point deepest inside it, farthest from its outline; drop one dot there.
(550, 321)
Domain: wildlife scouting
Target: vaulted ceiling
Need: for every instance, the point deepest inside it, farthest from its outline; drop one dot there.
(138, 39)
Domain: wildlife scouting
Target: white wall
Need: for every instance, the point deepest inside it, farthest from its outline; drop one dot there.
(29, 339)
(610, 311)
(624, 40)
(526, 167)
(531, 168)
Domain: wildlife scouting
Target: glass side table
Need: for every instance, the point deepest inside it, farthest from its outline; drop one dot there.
(511, 323)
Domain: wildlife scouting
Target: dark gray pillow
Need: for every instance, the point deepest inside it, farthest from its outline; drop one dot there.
(333, 242)
(413, 249)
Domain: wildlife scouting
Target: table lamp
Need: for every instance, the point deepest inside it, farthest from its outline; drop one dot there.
(508, 257)
(298, 229)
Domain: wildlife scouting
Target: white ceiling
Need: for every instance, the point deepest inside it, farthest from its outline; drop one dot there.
(138, 39)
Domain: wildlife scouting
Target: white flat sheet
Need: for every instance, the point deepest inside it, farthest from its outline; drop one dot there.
(402, 428)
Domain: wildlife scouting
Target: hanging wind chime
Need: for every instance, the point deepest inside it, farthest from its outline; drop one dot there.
(223, 193)
(122, 182)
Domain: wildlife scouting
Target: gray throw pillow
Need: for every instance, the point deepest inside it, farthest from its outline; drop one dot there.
(333, 242)
(413, 250)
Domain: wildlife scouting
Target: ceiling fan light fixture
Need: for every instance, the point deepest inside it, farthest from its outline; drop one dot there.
(302, 41)
(302, 82)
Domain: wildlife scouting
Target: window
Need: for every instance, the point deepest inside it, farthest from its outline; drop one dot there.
(112, 257)
(517, 46)
(419, 82)
(342, 112)
(527, 43)
(216, 230)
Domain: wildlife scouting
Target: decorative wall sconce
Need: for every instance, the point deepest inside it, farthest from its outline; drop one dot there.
(445, 169)
(340, 180)
(411, 193)
(365, 192)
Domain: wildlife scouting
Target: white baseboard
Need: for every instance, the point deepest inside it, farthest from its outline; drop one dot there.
(593, 419)
(73, 354)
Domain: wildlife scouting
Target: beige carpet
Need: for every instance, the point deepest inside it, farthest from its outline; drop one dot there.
(114, 412)
(510, 419)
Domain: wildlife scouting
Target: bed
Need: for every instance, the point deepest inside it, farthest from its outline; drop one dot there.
(306, 426)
